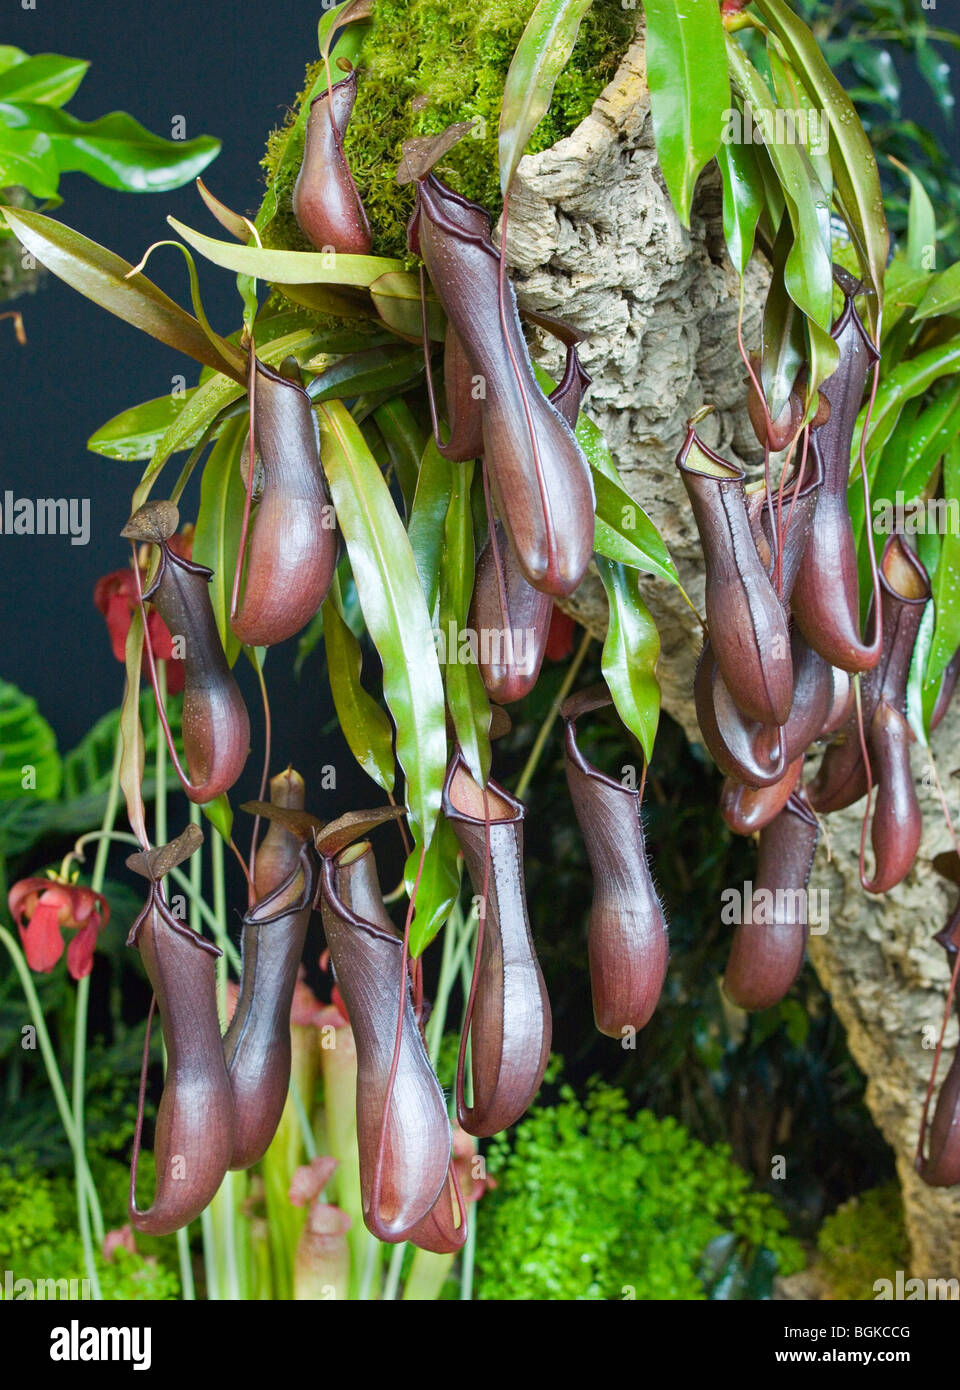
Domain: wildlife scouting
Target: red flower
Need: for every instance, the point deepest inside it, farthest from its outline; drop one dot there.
(560, 636)
(120, 1239)
(115, 595)
(42, 907)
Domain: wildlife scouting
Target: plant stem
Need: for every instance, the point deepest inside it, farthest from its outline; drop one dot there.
(467, 1262)
(392, 1281)
(370, 1263)
(438, 1017)
(53, 1071)
(303, 1119)
(526, 776)
(210, 1255)
(79, 1079)
(220, 913)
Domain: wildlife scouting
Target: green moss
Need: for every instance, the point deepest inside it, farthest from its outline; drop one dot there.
(864, 1240)
(592, 1202)
(427, 63)
(39, 1240)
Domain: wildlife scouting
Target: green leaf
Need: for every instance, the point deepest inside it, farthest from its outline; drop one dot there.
(287, 267)
(783, 345)
(115, 150)
(396, 297)
(689, 91)
(28, 748)
(625, 533)
(911, 378)
(743, 200)
(136, 432)
(329, 299)
(384, 368)
(943, 296)
(466, 696)
(428, 517)
(856, 178)
(394, 610)
(10, 56)
(203, 407)
(887, 477)
(332, 19)
(921, 224)
(405, 443)
(795, 102)
(540, 57)
(945, 583)
(438, 888)
(220, 815)
(932, 435)
(87, 774)
(88, 767)
(920, 698)
(630, 652)
(808, 268)
(27, 161)
(937, 73)
(367, 730)
(47, 78)
(904, 288)
(216, 540)
(101, 276)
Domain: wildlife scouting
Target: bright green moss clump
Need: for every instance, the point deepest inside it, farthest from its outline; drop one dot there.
(864, 1240)
(427, 63)
(592, 1202)
(39, 1242)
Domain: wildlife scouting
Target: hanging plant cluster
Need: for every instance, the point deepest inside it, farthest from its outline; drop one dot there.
(410, 453)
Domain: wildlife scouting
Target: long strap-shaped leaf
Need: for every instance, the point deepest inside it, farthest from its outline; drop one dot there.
(540, 57)
(466, 696)
(946, 597)
(630, 653)
(102, 276)
(854, 164)
(689, 90)
(907, 380)
(363, 723)
(287, 267)
(808, 273)
(394, 609)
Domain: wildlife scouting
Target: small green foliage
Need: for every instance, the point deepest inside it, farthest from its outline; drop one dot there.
(39, 1241)
(425, 64)
(595, 1203)
(864, 1240)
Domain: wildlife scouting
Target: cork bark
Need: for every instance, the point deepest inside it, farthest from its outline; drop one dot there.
(594, 239)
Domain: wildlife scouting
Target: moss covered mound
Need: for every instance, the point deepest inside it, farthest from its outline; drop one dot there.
(864, 1240)
(427, 63)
